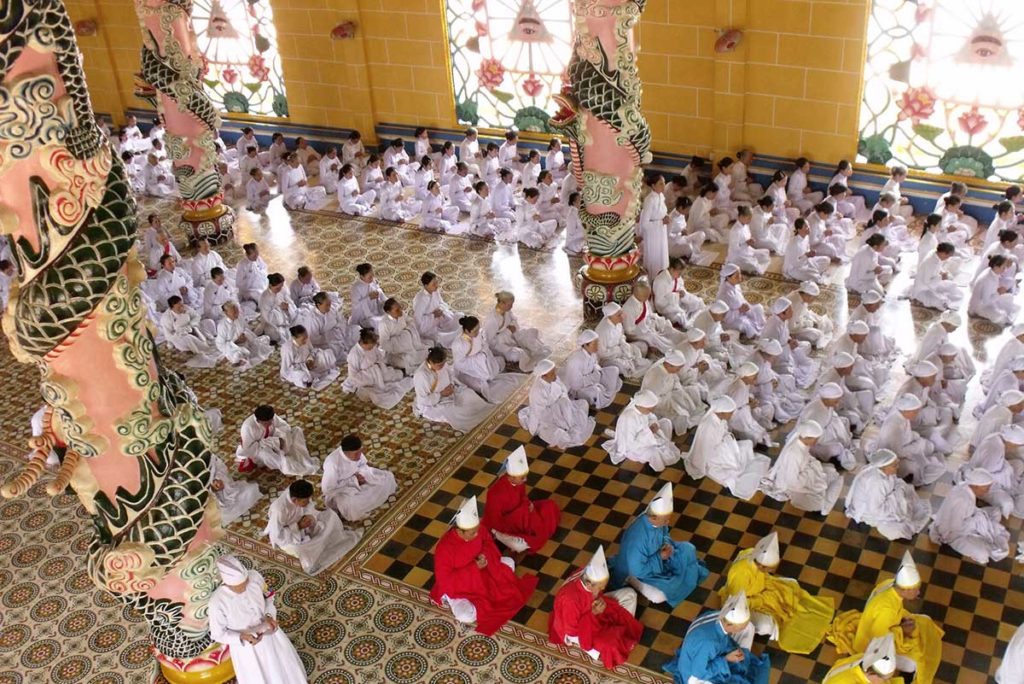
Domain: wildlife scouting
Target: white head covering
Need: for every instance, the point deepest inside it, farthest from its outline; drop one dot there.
(808, 428)
(1011, 397)
(979, 477)
(662, 503)
(723, 404)
(830, 390)
(645, 399)
(735, 610)
(695, 335)
(843, 360)
(1017, 330)
(1017, 365)
(597, 568)
(924, 369)
(882, 458)
(880, 655)
(858, 328)
(232, 572)
(1014, 434)
(610, 309)
(908, 402)
(907, 577)
(770, 347)
(748, 368)
(766, 552)
(544, 367)
(516, 464)
(468, 516)
(730, 269)
(871, 297)
(811, 288)
(947, 349)
(719, 307)
(586, 337)
(675, 358)
(951, 318)
(780, 304)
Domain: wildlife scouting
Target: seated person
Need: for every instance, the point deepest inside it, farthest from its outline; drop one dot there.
(641, 436)
(370, 378)
(352, 487)
(316, 538)
(550, 414)
(270, 442)
(305, 366)
(517, 522)
(234, 497)
(441, 399)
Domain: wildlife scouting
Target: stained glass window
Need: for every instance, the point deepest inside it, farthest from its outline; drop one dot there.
(942, 87)
(241, 66)
(508, 58)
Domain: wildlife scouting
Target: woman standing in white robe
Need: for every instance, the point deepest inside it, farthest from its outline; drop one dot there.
(614, 349)
(244, 618)
(800, 262)
(440, 399)
(477, 367)
(742, 316)
(585, 377)
(237, 343)
(234, 497)
(641, 436)
(977, 533)
(367, 298)
(399, 338)
(742, 251)
(671, 298)
(653, 227)
(879, 498)
(717, 454)
(508, 339)
(934, 285)
(305, 366)
(352, 487)
(436, 322)
(370, 378)
(316, 538)
(561, 422)
(800, 478)
(270, 442)
(989, 298)
(680, 404)
(327, 326)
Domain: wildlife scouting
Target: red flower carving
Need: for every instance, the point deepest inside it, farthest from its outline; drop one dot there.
(229, 75)
(258, 68)
(491, 73)
(533, 86)
(481, 29)
(972, 122)
(917, 104)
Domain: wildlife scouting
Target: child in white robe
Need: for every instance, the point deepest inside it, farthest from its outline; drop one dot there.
(436, 214)
(934, 285)
(551, 414)
(748, 319)
(277, 311)
(484, 221)
(671, 299)
(990, 299)
(585, 377)
(276, 153)
(866, 273)
(305, 366)
(775, 384)
(898, 174)
(183, 329)
(240, 346)
(575, 237)
(799, 478)
(257, 191)
(352, 200)
(316, 538)
(250, 274)
(330, 168)
(641, 436)
(721, 344)
(800, 261)
(1006, 412)
(977, 533)
(234, 497)
(614, 349)
(1006, 246)
(683, 240)
(717, 454)
(460, 188)
(367, 298)
(327, 326)
(270, 442)
(441, 399)
(799, 192)
(399, 338)
(503, 201)
(392, 206)
(351, 486)
(879, 498)
(767, 231)
(370, 378)
(531, 229)
(477, 367)
(955, 229)
(857, 399)
(679, 402)
(436, 322)
(742, 251)
(706, 217)
(508, 339)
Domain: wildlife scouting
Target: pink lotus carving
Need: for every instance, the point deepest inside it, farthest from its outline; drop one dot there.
(917, 104)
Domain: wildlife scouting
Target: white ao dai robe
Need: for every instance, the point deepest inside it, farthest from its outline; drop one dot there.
(678, 402)
(642, 323)
(749, 419)
(750, 259)
(250, 279)
(330, 331)
(482, 224)
(749, 323)
(352, 200)
(343, 492)
(672, 301)
(809, 325)
(886, 503)
(401, 342)
(803, 480)
(934, 285)
(277, 314)
(367, 303)
(614, 349)
(1005, 493)
(635, 440)
(522, 346)
(795, 358)
(250, 352)
(653, 231)
(171, 283)
(531, 228)
(463, 410)
(835, 440)
(393, 207)
(977, 533)
(437, 215)
(299, 196)
(477, 367)
(297, 369)
(278, 447)
(878, 345)
(862, 276)
(554, 417)
(201, 264)
(987, 302)
(587, 379)
(216, 296)
(768, 233)
(439, 329)
(185, 332)
(796, 265)
(371, 379)
(236, 497)
(732, 463)
(317, 547)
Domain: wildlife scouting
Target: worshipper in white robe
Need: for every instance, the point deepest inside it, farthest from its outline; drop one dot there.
(990, 298)
(484, 221)
(937, 335)
(858, 395)
(205, 260)
(951, 388)
(1012, 378)
(800, 478)
(652, 227)
(327, 326)
(868, 373)
(977, 533)
(877, 345)
(395, 156)
(173, 279)
(1013, 348)
(998, 454)
(1011, 669)
(503, 201)
(330, 167)
(277, 311)
(436, 322)
(641, 436)
(440, 398)
(680, 403)
(392, 205)
(774, 384)
(706, 217)
(919, 459)
(305, 366)
(367, 298)
(866, 273)
(744, 317)
(435, 213)
(808, 325)
(742, 250)
(671, 299)
(798, 189)
(721, 344)
(749, 418)
(509, 340)
(768, 232)
(277, 152)
(879, 498)
(1006, 411)
(477, 367)
(267, 440)
(217, 292)
(234, 497)
(642, 323)
(369, 377)
(304, 287)
(614, 349)
(935, 285)
(295, 188)
(243, 617)
(308, 157)
(250, 274)
(935, 420)
(460, 188)
(795, 358)
(531, 227)
(575, 235)
(716, 453)
(683, 240)
(702, 371)
(316, 538)
(351, 198)
(238, 344)
(157, 179)
(835, 440)
(584, 375)
(183, 329)
(399, 338)
(351, 486)
(560, 421)
(372, 177)
(800, 262)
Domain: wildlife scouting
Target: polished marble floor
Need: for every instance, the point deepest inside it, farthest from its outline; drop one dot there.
(368, 619)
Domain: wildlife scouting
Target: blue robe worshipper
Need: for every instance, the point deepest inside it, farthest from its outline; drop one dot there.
(640, 557)
(708, 649)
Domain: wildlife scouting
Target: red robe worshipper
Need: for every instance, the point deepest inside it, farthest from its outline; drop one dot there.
(495, 590)
(613, 633)
(509, 510)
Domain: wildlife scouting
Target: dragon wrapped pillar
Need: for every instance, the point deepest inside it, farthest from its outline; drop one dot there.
(135, 443)
(609, 140)
(171, 65)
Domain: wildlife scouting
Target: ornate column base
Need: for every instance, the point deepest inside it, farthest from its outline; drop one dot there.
(211, 667)
(212, 223)
(606, 279)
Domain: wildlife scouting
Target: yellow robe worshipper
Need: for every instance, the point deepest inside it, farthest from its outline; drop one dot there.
(849, 671)
(800, 618)
(879, 660)
(852, 631)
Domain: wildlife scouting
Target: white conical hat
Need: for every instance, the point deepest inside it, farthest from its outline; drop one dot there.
(735, 610)
(597, 568)
(468, 516)
(907, 577)
(662, 503)
(766, 552)
(516, 464)
(880, 655)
